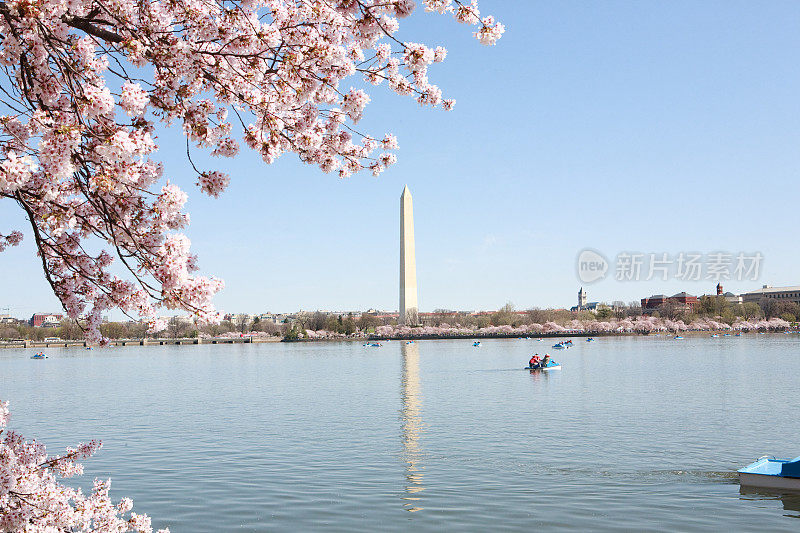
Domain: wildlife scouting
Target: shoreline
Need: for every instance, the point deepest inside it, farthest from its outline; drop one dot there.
(468, 336)
(139, 342)
(480, 336)
(368, 338)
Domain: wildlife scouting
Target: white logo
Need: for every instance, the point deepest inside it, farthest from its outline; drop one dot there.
(592, 266)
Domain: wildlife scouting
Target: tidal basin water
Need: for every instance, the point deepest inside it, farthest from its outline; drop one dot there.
(635, 433)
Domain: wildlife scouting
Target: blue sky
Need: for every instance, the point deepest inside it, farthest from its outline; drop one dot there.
(618, 126)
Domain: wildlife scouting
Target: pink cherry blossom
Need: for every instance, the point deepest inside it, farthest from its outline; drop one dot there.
(12, 239)
(134, 99)
(87, 80)
(641, 324)
(32, 499)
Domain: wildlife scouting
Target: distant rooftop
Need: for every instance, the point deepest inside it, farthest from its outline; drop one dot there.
(768, 289)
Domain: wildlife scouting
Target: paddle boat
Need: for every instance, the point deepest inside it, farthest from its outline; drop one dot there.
(771, 473)
(39, 356)
(714, 336)
(476, 343)
(677, 337)
(552, 365)
(559, 346)
(590, 339)
(409, 342)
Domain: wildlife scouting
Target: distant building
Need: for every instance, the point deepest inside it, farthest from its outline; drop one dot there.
(583, 305)
(592, 307)
(657, 300)
(653, 302)
(731, 298)
(440, 314)
(46, 320)
(271, 318)
(233, 317)
(181, 320)
(790, 294)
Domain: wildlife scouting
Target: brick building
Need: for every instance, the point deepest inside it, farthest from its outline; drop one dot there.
(47, 320)
(657, 300)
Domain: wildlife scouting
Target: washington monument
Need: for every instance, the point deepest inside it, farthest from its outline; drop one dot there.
(408, 266)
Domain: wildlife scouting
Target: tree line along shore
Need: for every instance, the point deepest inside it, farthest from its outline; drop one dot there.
(397, 335)
(711, 314)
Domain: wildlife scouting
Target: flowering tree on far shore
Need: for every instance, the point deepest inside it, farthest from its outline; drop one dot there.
(641, 324)
(32, 500)
(87, 80)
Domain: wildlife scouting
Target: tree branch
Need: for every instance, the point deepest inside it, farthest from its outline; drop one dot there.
(87, 26)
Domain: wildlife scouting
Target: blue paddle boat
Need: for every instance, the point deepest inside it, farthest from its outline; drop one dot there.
(552, 365)
(477, 343)
(771, 473)
(39, 356)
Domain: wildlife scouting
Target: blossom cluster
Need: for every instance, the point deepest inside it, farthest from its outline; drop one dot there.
(78, 118)
(32, 499)
(12, 239)
(643, 324)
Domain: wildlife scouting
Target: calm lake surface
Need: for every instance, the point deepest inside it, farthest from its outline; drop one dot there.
(641, 433)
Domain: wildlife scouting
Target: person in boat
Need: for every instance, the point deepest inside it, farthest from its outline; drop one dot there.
(545, 360)
(534, 362)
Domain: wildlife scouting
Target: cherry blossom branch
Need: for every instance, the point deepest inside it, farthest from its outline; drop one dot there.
(81, 172)
(87, 26)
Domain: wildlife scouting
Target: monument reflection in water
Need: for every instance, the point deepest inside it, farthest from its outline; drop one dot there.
(411, 395)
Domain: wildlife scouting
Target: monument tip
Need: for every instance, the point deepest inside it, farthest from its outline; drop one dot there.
(406, 191)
